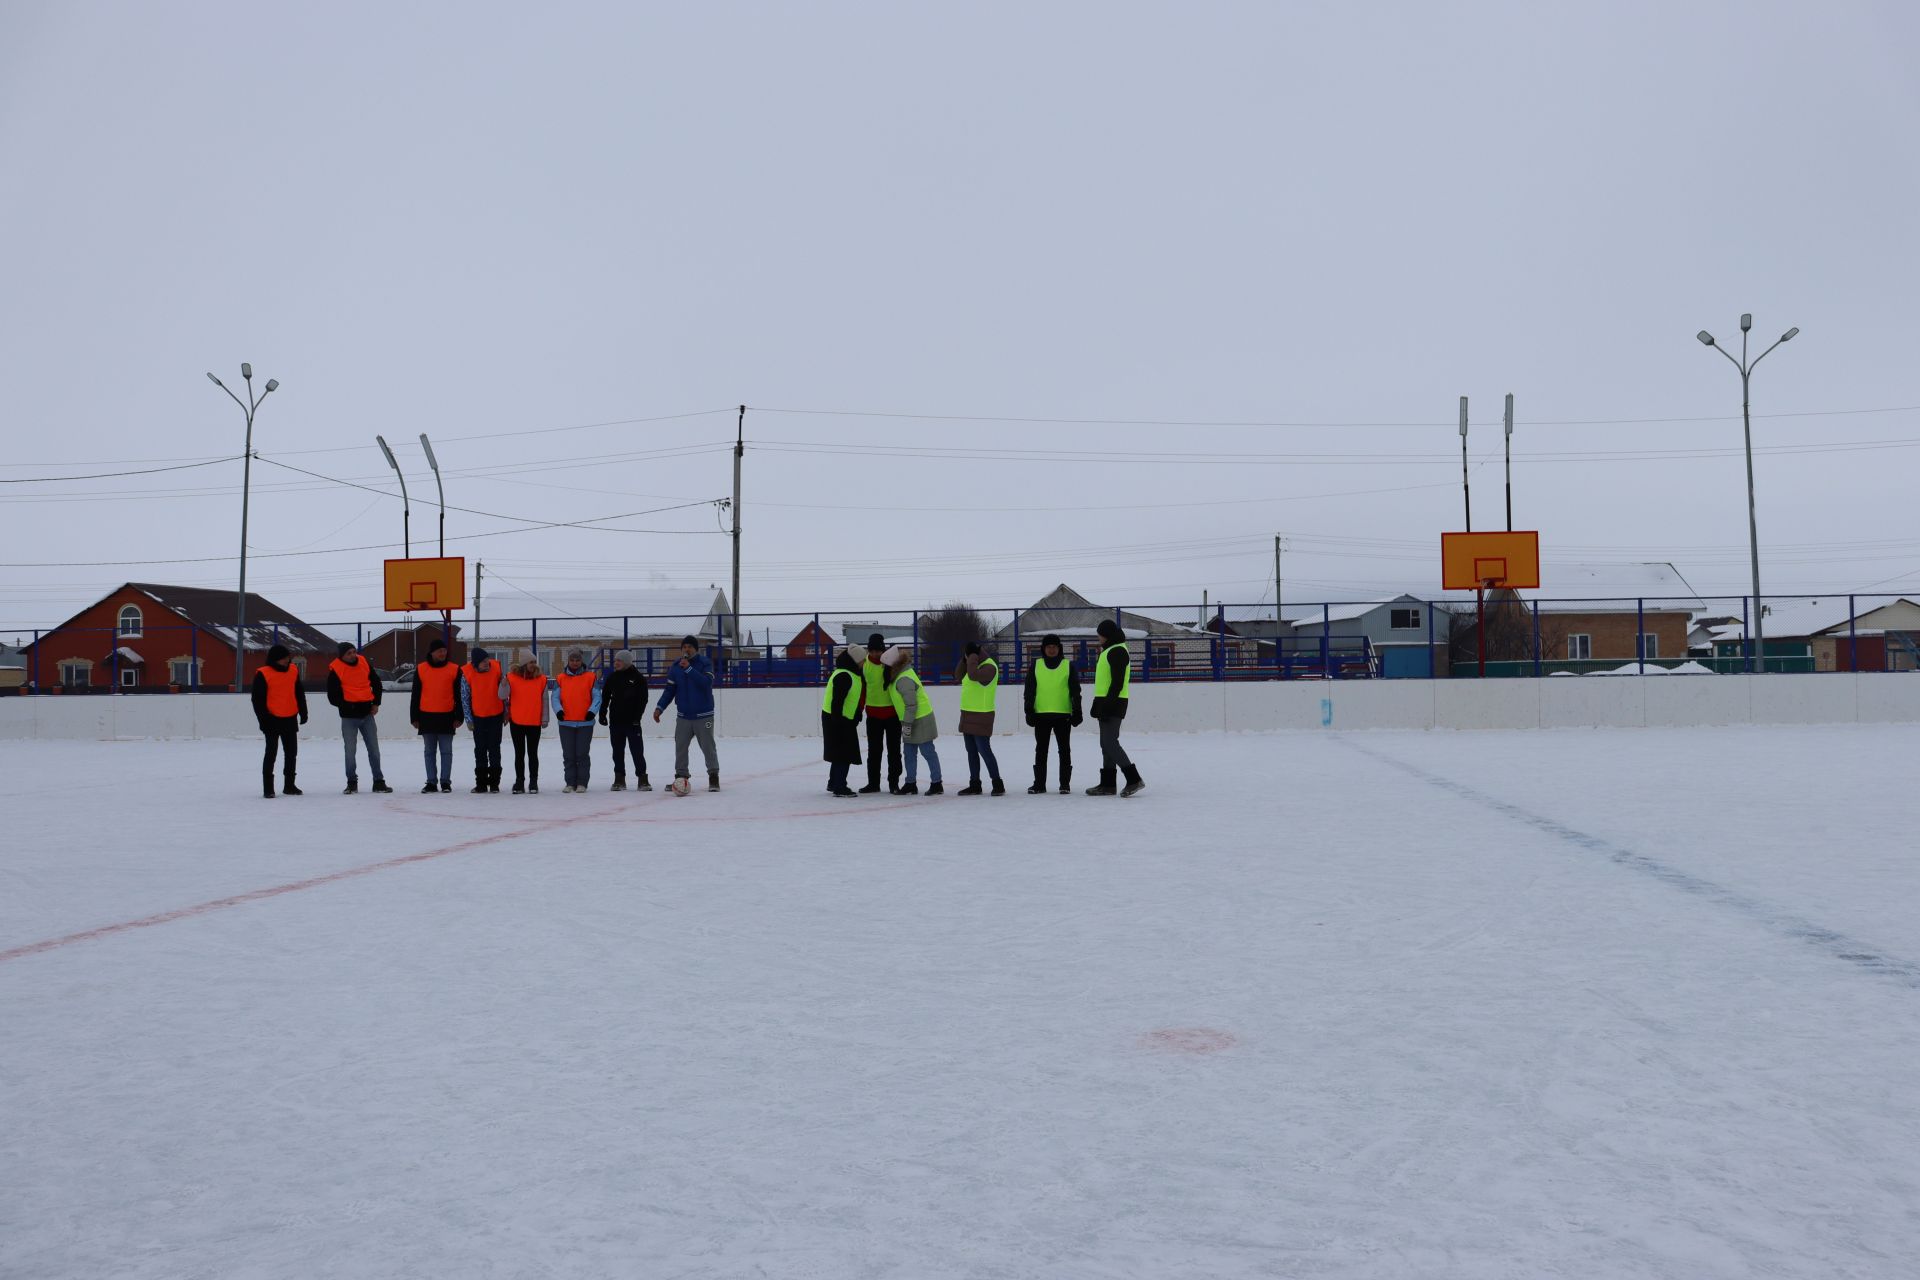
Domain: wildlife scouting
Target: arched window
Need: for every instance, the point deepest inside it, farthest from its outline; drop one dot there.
(130, 620)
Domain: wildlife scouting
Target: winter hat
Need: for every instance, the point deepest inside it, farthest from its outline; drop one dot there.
(481, 655)
(346, 647)
(876, 641)
(576, 653)
(1051, 639)
(439, 645)
(894, 657)
(973, 648)
(278, 652)
(689, 640)
(623, 655)
(522, 657)
(1110, 630)
(848, 660)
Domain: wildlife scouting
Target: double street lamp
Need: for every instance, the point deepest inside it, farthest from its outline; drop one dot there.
(249, 406)
(1746, 368)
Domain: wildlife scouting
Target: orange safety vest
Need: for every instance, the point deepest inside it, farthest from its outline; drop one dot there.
(576, 692)
(436, 687)
(356, 681)
(282, 701)
(484, 690)
(527, 698)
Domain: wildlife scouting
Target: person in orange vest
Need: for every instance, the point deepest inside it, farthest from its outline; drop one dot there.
(280, 705)
(484, 707)
(576, 701)
(527, 715)
(436, 712)
(354, 689)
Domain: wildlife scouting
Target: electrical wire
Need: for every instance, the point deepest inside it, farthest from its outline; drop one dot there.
(107, 475)
(1228, 422)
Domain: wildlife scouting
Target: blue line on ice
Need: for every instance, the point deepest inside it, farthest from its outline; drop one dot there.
(1838, 945)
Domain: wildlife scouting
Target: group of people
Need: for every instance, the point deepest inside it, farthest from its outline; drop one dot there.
(518, 703)
(882, 686)
(495, 702)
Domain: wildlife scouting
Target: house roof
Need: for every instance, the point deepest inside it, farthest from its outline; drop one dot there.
(1063, 609)
(1811, 616)
(646, 611)
(1574, 587)
(212, 611)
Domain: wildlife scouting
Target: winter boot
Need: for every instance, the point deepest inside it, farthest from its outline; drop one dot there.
(1134, 784)
(971, 789)
(1066, 782)
(519, 787)
(288, 789)
(905, 789)
(871, 789)
(999, 787)
(1106, 787)
(1039, 787)
(446, 786)
(713, 779)
(936, 790)
(432, 788)
(266, 785)
(619, 784)
(479, 789)
(380, 787)
(643, 784)
(353, 788)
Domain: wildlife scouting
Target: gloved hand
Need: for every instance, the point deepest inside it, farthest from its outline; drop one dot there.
(1031, 722)
(1076, 719)
(303, 717)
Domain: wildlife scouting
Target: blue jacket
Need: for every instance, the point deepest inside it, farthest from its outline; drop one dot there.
(689, 687)
(553, 700)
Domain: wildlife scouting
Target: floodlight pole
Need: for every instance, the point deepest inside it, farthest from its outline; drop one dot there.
(739, 454)
(250, 406)
(1466, 485)
(406, 508)
(446, 615)
(1509, 462)
(1746, 368)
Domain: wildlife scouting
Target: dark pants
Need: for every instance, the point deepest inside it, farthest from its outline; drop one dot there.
(980, 746)
(883, 731)
(627, 741)
(1054, 728)
(576, 752)
(526, 754)
(486, 749)
(281, 732)
(1112, 754)
(837, 775)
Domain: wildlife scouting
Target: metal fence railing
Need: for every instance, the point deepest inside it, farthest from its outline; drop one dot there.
(1402, 638)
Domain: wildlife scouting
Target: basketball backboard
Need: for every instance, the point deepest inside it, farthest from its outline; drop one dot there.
(1473, 561)
(435, 583)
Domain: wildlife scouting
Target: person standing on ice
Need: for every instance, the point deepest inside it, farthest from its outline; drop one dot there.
(355, 690)
(485, 710)
(526, 717)
(979, 692)
(689, 689)
(280, 705)
(623, 709)
(839, 722)
(917, 726)
(1053, 712)
(576, 701)
(435, 712)
(1112, 686)
(883, 726)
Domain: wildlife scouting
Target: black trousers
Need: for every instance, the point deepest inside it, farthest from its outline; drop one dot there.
(1056, 728)
(282, 732)
(486, 748)
(883, 731)
(526, 753)
(1112, 754)
(627, 741)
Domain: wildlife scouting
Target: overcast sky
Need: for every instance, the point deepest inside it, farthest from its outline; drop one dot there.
(539, 232)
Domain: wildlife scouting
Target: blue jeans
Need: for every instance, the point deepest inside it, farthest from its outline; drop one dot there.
(980, 745)
(914, 751)
(576, 753)
(443, 744)
(351, 732)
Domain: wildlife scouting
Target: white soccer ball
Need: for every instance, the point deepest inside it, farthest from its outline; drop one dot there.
(682, 786)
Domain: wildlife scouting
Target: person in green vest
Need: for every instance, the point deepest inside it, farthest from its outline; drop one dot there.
(917, 727)
(883, 726)
(839, 720)
(1112, 685)
(1053, 712)
(979, 691)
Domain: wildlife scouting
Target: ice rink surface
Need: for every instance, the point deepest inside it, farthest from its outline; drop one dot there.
(1593, 1004)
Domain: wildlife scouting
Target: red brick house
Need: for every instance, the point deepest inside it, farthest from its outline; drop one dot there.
(147, 637)
(813, 641)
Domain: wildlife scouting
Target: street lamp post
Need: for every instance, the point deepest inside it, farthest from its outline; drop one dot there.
(446, 616)
(249, 406)
(406, 509)
(1746, 368)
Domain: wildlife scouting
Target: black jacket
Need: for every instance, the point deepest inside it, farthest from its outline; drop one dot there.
(841, 736)
(623, 697)
(1073, 687)
(353, 710)
(434, 721)
(1111, 708)
(260, 711)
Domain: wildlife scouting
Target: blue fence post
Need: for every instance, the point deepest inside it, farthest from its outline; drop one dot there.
(1430, 662)
(534, 637)
(1640, 631)
(1326, 641)
(1220, 643)
(1746, 635)
(1536, 640)
(1853, 635)
(625, 635)
(916, 640)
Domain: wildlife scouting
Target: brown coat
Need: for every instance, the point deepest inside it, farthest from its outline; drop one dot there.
(979, 723)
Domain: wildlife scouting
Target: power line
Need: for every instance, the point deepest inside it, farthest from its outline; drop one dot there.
(1228, 422)
(107, 475)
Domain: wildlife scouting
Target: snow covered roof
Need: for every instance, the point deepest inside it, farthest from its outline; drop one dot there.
(1063, 608)
(1610, 588)
(636, 613)
(127, 655)
(1812, 616)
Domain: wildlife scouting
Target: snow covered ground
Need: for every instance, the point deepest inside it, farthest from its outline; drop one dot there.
(1633, 1003)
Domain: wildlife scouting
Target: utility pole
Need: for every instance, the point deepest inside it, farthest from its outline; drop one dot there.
(479, 576)
(739, 452)
(1509, 462)
(1466, 485)
(1276, 583)
(250, 406)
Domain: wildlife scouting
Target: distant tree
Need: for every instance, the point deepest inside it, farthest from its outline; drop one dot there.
(945, 633)
(1509, 623)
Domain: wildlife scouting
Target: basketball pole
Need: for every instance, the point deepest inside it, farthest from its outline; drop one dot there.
(1466, 485)
(1509, 462)
(446, 616)
(739, 453)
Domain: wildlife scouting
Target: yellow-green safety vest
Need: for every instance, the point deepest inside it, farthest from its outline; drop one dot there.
(1051, 696)
(876, 677)
(1103, 674)
(853, 701)
(922, 706)
(978, 696)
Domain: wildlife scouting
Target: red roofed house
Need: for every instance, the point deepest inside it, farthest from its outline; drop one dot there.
(145, 637)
